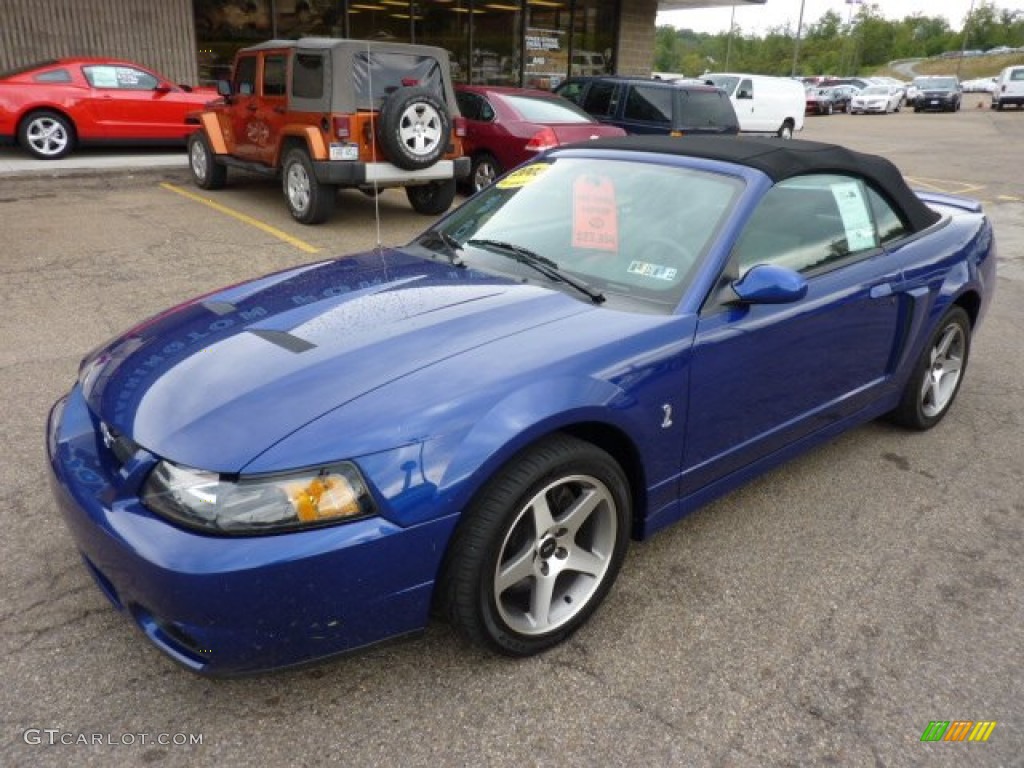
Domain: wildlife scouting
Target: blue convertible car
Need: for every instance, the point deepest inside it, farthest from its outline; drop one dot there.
(479, 421)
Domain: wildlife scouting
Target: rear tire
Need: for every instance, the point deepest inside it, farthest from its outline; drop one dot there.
(46, 135)
(936, 378)
(786, 130)
(433, 198)
(206, 172)
(485, 170)
(309, 201)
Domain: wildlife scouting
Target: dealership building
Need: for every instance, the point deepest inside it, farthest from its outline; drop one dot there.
(513, 42)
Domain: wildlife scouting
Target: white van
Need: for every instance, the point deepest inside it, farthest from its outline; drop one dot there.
(1009, 88)
(764, 104)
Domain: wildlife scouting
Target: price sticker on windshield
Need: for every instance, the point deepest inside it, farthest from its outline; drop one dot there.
(523, 176)
(595, 222)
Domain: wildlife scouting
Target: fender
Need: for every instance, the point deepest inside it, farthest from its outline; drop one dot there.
(312, 138)
(527, 415)
(218, 138)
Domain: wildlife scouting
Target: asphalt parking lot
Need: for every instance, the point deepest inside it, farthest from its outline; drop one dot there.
(822, 615)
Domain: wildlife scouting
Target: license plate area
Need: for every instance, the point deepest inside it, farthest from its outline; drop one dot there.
(340, 151)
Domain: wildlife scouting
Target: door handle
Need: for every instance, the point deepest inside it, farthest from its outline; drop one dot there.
(279, 110)
(252, 107)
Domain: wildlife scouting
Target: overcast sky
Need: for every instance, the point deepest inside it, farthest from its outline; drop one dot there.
(775, 13)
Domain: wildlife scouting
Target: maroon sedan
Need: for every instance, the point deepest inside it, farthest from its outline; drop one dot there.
(508, 126)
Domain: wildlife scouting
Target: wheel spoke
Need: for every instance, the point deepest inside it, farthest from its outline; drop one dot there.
(540, 600)
(518, 568)
(581, 510)
(927, 389)
(542, 519)
(942, 348)
(582, 561)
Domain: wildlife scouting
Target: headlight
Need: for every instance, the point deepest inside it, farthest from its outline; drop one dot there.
(259, 504)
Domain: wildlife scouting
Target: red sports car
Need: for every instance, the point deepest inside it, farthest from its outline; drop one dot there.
(50, 107)
(508, 126)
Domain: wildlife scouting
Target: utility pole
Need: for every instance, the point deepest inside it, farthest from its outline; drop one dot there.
(728, 45)
(963, 44)
(796, 43)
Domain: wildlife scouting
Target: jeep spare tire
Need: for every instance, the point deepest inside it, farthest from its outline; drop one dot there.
(414, 128)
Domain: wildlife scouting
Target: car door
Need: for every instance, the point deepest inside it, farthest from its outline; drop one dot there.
(243, 107)
(267, 121)
(483, 134)
(744, 104)
(130, 103)
(601, 100)
(765, 375)
(648, 109)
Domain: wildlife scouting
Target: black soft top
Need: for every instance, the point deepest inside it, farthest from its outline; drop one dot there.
(779, 159)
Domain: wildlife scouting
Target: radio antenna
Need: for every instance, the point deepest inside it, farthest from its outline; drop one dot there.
(373, 146)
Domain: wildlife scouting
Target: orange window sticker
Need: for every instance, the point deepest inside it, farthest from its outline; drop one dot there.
(523, 176)
(595, 222)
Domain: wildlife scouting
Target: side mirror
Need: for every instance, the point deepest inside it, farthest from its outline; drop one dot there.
(744, 95)
(770, 284)
(163, 88)
(224, 88)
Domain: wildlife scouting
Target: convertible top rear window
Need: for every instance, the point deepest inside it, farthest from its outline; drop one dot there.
(377, 74)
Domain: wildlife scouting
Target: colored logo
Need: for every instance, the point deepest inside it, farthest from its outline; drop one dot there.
(958, 730)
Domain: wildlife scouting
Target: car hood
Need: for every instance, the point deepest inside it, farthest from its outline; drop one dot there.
(214, 382)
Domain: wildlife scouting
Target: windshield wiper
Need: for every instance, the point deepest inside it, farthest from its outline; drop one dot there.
(541, 264)
(452, 247)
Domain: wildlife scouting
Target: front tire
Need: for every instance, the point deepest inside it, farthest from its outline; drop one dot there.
(538, 551)
(309, 201)
(433, 198)
(206, 172)
(936, 378)
(47, 135)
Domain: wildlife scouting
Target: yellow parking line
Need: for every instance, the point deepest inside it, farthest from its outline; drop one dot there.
(922, 183)
(293, 241)
(1010, 198)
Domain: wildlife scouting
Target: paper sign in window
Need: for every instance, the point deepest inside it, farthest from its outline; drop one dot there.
(853, 209)
(104, 77)
(595, 222)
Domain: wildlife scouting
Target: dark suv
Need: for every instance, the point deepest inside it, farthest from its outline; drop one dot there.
(638, 105)
(941, 94)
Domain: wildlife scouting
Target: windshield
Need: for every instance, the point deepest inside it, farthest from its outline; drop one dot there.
(726, 82)
(936, 84)
(629, 230)
(545, 109)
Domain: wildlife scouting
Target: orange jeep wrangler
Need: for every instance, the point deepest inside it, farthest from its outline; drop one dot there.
(325, 113)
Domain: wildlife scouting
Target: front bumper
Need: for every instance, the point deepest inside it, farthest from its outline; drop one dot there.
(935, 103)
(224, 606)
(356, 174)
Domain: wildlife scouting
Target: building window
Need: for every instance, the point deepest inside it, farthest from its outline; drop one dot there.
(495, 42)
